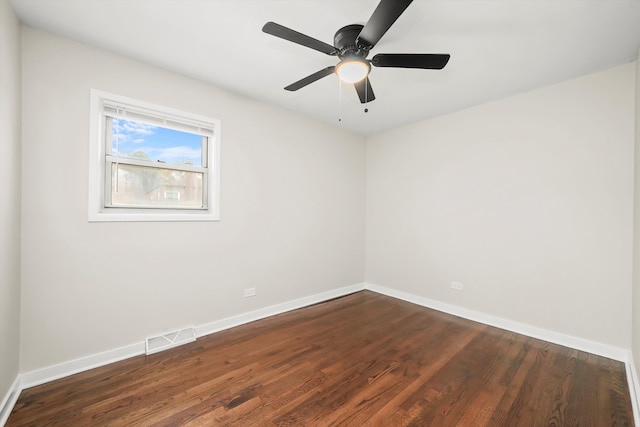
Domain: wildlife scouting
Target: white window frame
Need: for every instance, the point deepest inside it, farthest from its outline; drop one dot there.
(99, 159)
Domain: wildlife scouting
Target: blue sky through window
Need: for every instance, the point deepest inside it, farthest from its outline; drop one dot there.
(139, 140)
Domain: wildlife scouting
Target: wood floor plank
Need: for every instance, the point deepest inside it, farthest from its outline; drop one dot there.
(360, 360)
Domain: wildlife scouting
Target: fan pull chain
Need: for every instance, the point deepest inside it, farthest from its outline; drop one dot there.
(339, 100)
(366, 90)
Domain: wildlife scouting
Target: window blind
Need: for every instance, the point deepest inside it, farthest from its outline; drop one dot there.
(184, 124)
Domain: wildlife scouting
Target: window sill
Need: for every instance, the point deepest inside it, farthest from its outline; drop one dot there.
(137, 216)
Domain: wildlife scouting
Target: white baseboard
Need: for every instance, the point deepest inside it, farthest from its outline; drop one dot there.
(632, 380)
(262, 313)
(61, 370)
(40, 376)
(582, 344)
(51, 373)
(9, 401)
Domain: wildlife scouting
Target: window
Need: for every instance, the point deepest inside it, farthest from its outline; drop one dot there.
(151, 163)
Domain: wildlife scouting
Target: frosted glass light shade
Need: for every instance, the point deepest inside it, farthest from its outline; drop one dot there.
(352, 71)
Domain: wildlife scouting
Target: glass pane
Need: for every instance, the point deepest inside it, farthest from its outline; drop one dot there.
(137, 140)
(145, 187)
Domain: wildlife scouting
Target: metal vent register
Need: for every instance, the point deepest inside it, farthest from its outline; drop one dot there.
(170, 340)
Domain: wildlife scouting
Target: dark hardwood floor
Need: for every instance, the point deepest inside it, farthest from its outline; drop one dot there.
(361, 360)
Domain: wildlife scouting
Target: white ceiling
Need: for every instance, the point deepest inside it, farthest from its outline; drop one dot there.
(497, 48)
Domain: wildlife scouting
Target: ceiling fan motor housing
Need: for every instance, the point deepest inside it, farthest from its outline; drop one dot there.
(345, 42)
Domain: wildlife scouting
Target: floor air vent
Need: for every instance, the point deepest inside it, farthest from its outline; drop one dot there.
(170, 339)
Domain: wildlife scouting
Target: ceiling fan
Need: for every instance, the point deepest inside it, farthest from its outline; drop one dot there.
(352, 44)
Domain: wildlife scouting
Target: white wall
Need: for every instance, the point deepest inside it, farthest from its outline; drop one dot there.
(635, 340)
(9, 197)
(527, 201)
(292, 212)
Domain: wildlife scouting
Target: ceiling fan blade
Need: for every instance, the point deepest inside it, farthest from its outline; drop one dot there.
(299, 38)
(382, 19)
(365, 92)
(431, 61)
(310, 79)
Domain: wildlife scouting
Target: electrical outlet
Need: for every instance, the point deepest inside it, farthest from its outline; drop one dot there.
(250, 292)
(457, 286)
